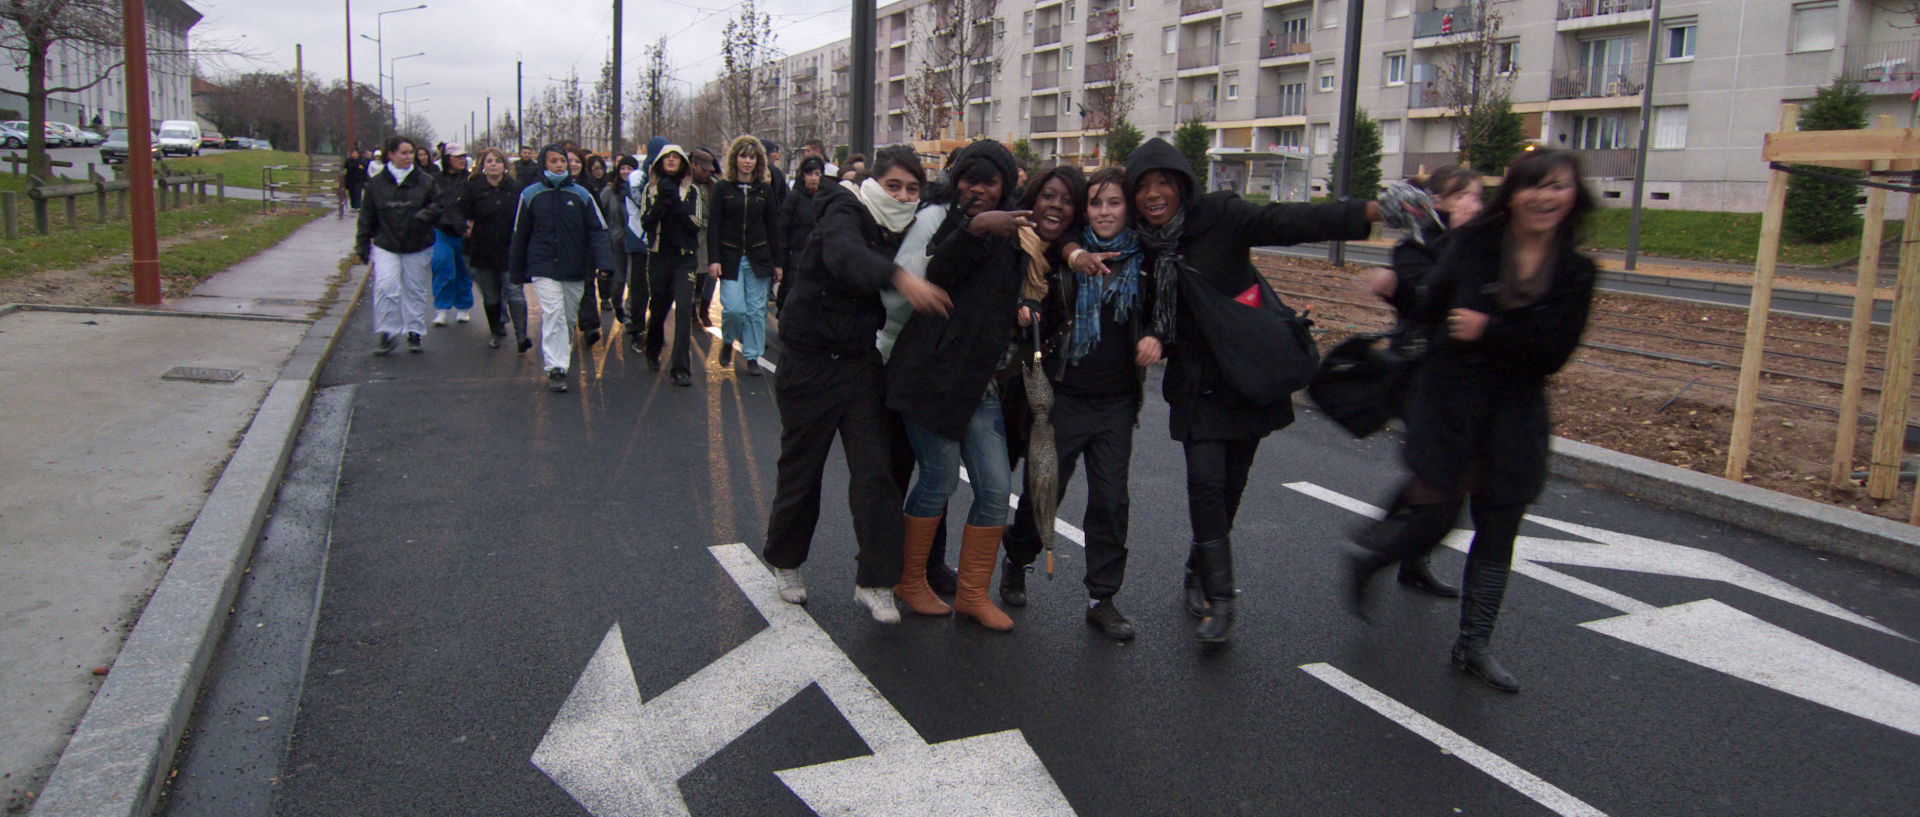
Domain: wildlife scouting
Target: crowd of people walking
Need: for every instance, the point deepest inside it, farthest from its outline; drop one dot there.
(976, 319)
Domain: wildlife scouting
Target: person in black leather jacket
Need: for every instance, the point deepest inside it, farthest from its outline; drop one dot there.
(744, 249)
(488, 207)
(395, 234)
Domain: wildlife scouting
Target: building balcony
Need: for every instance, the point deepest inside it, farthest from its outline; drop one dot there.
(1421, 164)
(1622, 80)
(1607, 164)
(1290, 101)
(1205, 109)
(1046, 79)
(1445, 22)
(1576, 9)
(1047, 123)
(1286, 44)
(1199, 56)
(1101, 72)
(1102, 23)
(1198, 6)
(801, 74)
(1046, 35)
(896, 102)
(1425, 94)
(896, 137)
(1884, 68)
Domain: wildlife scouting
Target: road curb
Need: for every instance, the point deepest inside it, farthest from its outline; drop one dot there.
(1816, 525)
(117, 760)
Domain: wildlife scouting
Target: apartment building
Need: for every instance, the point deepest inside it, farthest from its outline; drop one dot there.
(169, 73)
(1265, 74)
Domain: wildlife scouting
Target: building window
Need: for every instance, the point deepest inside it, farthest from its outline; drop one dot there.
(1233, 84)
(1070, 12)
(1506, 57)
(1669, 127)
(1396, 69)
(1023, 107)
(1399, 8)
(1068, 53)
(1599, 133)
(1680, 37)
(1130, 5)
(1390, 136)
(1026, 65)
(1322, 138)
(1814, 26)
(1233, 28)
(1324, 70)
(1329, 13)
(1169, 40)
(1166, 93)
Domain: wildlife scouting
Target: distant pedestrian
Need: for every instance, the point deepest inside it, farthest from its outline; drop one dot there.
(779, 180)
(1509, 300)
(354, 177)
(615, 208)
(452, 284)
(817, 148)
(797, 219)
(674, 217)
(744, 250)
(489, 206)
(559, 242)
(639, 263)
(395, 234)
(527, 170)
(704, 169)
(587, 320)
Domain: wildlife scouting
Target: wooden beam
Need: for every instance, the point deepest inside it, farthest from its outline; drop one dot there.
(1747, 398)
(1860, 333)
(1820, 147)
(1890, 435)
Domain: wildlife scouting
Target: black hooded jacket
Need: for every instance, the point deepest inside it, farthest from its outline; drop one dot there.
(833, 306)
(798, 213)
(1221, 229)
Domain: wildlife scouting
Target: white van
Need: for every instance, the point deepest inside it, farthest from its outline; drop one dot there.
(180, 136)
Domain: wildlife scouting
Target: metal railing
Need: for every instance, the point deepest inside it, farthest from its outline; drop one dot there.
(1574, 9)
(1199, 56)
(1046, 79)
(1423, 94)
(1102, 22)
(1188, 110)
(896, 102)
(1046, 35)
(1198, 6)
(1286, 43)
(1101, 72)
(304, 186)
(1882, 62)
(1290, 100)
(808, 72)
(1043, 123)
(1620, 79)
(1445, 22)
(1616, 163)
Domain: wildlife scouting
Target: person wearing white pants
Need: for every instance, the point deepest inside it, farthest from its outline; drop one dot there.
(559, 303)
(395, 235)
(560, 239)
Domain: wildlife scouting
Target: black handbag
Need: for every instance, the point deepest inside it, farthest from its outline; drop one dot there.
(1363, 382)
(1265, 352)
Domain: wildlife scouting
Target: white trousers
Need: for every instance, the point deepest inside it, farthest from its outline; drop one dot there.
(559, 303)
(402, 291)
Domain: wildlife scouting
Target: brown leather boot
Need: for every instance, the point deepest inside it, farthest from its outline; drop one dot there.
(979, 552)
(913, 588)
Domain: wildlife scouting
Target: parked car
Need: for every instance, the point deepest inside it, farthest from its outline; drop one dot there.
(75, 136)
(233, 143)
(261, 144)
(56, 138)
(180, 136)
(212, 140)
(13, 134)
(114, 149)
(92, 137)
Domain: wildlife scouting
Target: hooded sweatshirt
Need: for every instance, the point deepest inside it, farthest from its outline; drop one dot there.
(559, 232)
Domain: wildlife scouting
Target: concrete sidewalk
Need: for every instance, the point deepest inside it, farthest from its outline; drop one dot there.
(110, 463)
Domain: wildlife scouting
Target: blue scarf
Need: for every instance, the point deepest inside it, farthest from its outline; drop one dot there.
(1121, 289)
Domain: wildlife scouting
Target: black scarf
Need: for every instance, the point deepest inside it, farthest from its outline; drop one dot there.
(1164, 243)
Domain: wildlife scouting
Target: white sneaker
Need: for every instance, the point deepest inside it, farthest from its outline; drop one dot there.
(792, 589)
(440, 318)
(880, 601)
(463, 315)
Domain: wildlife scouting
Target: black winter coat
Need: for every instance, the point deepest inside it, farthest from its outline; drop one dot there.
(448, 190)
(744, 224)
(355, 176)
(941, 366)
(669, 220)
(558, 234)
(1057, 320)
(397, 217)
(798, 212)
(527, 171)
(492, 210)
(833, 301)
(1478, 420)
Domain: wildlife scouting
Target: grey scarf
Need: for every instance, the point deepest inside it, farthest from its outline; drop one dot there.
(1164, 243)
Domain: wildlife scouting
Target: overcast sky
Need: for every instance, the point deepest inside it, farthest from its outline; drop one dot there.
(471, 45)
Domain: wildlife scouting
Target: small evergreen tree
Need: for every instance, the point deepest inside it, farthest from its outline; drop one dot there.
(1025, 155)
(1121, 141)
(1818, 210)
(1192, 140)
(1500, 136)
(1365, 181)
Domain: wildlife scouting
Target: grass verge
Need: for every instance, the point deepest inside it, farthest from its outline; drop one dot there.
(242, 167)
(1710, 236)
(187, 264)
(66, 249)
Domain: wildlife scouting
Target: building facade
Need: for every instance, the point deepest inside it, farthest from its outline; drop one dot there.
(169, 72)
(1266, 75)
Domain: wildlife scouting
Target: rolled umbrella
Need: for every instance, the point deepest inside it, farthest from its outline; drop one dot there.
(1043, 463)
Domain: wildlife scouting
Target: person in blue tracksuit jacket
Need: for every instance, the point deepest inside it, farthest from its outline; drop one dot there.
(559, 241)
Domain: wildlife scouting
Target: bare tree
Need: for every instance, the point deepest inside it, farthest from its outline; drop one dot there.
(416, 126)
(656, 88)
(1910, 9)
(1106, 106)
(929, 109)
(749, 74)
(706, 124)
(1473, 75)
(962, 42)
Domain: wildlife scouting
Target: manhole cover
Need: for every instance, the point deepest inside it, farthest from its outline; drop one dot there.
(200, 374)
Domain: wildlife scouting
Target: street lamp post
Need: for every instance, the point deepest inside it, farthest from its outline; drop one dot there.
(393, 74)
(406, 98)
(380, 44)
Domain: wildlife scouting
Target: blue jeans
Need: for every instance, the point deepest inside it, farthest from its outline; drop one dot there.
(743, 311)
(452, 285)
(938, 460)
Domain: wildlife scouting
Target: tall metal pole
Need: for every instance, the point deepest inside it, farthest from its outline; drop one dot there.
(146, 236)
(519, 102)
(1349, 99)
(860, 106)
(618, 148)
(492, 138)
(1646, 128)
(300, 100)
(380, 55)
(351, 142)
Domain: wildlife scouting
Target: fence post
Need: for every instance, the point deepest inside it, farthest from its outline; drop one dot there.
(40, 224)
(200, 191)
(220, 186)
(73, 212)
(120, 203)
(8, 223)
(100, 199)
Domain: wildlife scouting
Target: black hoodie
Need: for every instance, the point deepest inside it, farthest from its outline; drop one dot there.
(1215, 245)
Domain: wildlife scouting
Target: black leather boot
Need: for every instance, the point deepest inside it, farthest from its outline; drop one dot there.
(1362, 565)
(1479, 607)
(1013, 584)
(1418, 574)
(1196, 596)
(1216, 578)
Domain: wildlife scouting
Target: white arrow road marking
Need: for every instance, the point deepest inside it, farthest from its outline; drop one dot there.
(1722, 638)
(1453, 743)
(621, 758)
(1621, 551)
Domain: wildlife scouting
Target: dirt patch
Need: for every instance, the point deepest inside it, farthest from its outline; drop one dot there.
(106, 281)
(1656, 379)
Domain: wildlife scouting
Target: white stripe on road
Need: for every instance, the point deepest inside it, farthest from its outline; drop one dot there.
(1061, 526)
(1495, 766)
(764, 363)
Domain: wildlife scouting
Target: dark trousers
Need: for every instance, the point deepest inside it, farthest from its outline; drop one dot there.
(820, 397)
(639, 287)
(1421, 517)
(1101, 429)
(353, 195)
(505, 301)
(670, 289)
(1216, 477)
(615, 286)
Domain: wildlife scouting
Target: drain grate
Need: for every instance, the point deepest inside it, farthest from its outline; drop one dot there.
(201, 374)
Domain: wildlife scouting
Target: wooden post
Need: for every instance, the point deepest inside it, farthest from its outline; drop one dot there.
(120, 203)
(1890, 435)
(1861, 332)
(1748, 396)
(73, 212)
(100, 200)
(9, 224)
(41, 224)
(220, 184)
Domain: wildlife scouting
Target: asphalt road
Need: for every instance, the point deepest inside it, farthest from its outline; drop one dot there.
(500, 557)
